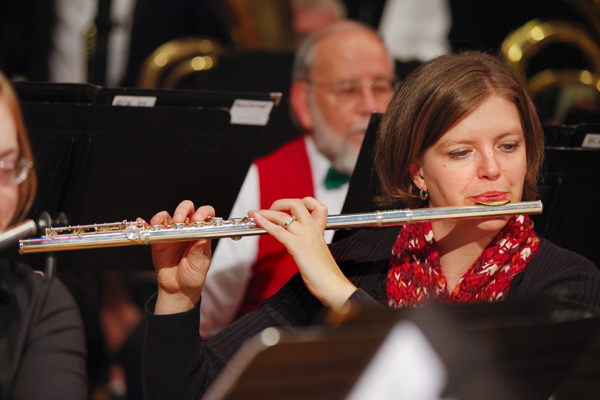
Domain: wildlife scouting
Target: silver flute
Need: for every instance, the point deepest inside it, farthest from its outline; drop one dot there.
(129, 233)
(10, 236)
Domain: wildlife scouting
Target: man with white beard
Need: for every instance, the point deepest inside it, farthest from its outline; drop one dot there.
(341, 75)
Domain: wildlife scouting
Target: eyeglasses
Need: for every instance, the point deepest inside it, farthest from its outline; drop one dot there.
(14, 172)
(349, 91)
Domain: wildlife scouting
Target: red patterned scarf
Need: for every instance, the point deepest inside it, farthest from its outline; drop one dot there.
(415, 273)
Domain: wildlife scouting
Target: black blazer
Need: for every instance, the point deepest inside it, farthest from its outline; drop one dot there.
(42, 345)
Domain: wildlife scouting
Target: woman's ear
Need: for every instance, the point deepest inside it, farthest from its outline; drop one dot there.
(416, 174)
(299, 101)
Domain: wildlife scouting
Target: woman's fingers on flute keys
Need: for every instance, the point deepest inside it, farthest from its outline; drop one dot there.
(170, 254)
(185, 210)
(297, 223)
(304, 240)
(181, 266)
(160, 218)
(307, 211)
(318, 211)
(281, 217)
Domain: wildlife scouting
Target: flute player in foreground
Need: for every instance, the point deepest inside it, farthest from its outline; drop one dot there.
(459, 130)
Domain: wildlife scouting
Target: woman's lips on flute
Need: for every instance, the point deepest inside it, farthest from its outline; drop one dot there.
(489, 197)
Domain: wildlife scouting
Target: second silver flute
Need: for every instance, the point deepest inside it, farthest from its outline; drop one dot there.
(129, 233)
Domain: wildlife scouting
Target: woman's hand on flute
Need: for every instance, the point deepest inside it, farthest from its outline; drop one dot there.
(303, 238)
(181, 266)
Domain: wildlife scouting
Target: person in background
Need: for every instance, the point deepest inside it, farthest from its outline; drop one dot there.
(104, 42)
(42, 345)
(459, 130)
(341, 75)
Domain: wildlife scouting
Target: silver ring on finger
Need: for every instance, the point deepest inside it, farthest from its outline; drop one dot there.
(289, 221)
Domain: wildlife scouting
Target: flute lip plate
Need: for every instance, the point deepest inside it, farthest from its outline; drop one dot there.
(492, 203)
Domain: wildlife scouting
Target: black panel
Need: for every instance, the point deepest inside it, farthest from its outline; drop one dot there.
(364, 184)
(98, 163)
(572, 200)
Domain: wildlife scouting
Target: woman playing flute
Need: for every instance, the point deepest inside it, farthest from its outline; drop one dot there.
(459, 130)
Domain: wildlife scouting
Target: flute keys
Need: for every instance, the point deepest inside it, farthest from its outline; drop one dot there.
(156, 227)
(217, 221)
(236, 222)
(199, 224)
(132, 233)
(178, 225)
(249, 221)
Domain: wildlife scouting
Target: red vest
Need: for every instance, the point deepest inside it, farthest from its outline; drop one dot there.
(283, 174)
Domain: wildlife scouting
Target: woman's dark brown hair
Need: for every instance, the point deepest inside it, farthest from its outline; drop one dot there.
(28, 187)
(430, 101)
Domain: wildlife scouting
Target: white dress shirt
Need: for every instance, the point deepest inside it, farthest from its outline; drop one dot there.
(67, 59)
(416, 29)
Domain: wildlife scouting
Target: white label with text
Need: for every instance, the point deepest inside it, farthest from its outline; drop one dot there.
(134, 101)
(591, 140)
(250, 112)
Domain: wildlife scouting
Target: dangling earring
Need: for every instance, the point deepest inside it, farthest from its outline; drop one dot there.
(423, 194)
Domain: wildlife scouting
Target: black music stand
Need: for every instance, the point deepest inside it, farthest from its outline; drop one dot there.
(580, 135)
(572, 200)
(571, 192)
(76, 93)
(344, 362)
(364, 184)
(103, 163)
(509, 350)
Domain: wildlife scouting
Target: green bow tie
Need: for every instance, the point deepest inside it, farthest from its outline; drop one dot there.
(335, 179)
